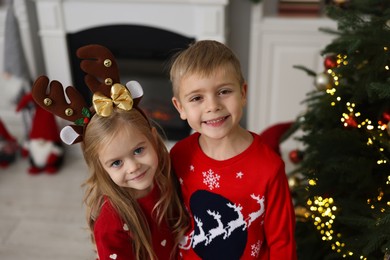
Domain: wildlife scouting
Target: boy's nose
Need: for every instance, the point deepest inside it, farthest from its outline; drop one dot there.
(213, 104)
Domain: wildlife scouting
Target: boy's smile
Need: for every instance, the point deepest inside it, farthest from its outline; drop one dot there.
(216, 122)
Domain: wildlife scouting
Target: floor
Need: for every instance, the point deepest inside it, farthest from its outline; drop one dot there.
(42, 216)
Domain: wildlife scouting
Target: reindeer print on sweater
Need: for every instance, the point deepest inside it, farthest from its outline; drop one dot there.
(225, 224)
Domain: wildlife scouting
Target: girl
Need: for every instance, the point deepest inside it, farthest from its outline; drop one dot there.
(131, 187)
(133, 209)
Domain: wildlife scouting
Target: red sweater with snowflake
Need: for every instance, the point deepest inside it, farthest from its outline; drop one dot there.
(112, 236)
(241, 207)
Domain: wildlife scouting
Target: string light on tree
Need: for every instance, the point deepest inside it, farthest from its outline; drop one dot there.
(349, 119)
(323, 214)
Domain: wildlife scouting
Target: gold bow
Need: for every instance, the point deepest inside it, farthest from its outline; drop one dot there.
(120, 97)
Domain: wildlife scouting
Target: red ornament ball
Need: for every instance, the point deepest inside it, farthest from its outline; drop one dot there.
(330, 62)
(295, 156)
(351, 122)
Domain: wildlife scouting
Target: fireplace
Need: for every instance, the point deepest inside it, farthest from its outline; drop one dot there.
(142, 34)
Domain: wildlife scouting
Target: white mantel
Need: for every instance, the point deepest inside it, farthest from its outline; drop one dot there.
(201, 19)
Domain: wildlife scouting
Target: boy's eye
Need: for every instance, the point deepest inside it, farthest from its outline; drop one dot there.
(116, 164)
(196, 98)
(139, 150)
(225, 91)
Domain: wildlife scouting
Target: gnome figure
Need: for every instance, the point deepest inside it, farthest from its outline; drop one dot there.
(8, 147)
(43, 147)
(273, 135)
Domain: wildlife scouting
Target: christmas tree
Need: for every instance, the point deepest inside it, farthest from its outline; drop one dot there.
(342, 188)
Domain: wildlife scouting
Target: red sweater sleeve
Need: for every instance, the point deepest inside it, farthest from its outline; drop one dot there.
(279, 221)
(112, 237)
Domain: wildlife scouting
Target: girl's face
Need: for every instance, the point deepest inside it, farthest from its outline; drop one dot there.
(130, 160)
(211, 105)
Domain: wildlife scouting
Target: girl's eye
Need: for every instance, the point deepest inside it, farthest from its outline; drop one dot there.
(139, 150)
(116, 164)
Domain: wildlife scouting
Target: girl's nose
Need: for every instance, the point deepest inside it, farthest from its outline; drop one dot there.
(133, 166)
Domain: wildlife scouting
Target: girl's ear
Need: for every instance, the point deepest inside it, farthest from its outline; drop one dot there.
(154, 133)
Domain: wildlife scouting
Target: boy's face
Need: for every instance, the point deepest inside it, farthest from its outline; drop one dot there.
(212, 105)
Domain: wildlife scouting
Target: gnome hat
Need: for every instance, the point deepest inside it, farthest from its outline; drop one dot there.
(273, 135)
(44, 125)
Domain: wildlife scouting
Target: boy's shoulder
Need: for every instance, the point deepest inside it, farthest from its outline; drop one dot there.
(263, 147)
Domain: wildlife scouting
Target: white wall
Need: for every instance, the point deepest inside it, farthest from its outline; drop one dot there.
(11, 86)
(239, 12)
(8, 89)
(239, 17)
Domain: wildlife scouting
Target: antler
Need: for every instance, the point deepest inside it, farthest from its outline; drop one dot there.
(102, 71)
(101, 68)
(54, 101)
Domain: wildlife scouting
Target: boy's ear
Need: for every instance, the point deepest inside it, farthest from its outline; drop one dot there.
(244, 89)
(179, 108)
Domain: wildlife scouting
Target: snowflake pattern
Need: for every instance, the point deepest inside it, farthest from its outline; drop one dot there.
(192, 168)
(211, 179)
(239, 175)
(256, 249)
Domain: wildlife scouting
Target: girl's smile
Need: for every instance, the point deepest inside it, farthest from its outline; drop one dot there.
(138, 177)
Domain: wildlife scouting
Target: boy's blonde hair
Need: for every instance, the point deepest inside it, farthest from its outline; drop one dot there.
(98, 134)
(203, 58)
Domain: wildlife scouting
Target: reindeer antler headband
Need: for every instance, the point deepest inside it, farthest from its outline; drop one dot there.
(102, 79)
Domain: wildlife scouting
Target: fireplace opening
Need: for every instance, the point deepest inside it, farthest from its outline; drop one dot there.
(142, 54)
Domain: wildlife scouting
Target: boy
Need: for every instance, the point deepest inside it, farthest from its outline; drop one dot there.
(233, 185)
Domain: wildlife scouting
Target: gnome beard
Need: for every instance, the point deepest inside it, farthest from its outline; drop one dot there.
(44, 156)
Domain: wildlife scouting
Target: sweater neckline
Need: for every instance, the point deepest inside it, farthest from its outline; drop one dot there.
(209, 160)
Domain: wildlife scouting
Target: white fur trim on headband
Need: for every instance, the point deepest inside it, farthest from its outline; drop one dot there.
(135, 89)
(68, 135)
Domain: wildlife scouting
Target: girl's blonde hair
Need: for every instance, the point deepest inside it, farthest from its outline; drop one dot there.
(203, 58)
(98, 134)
